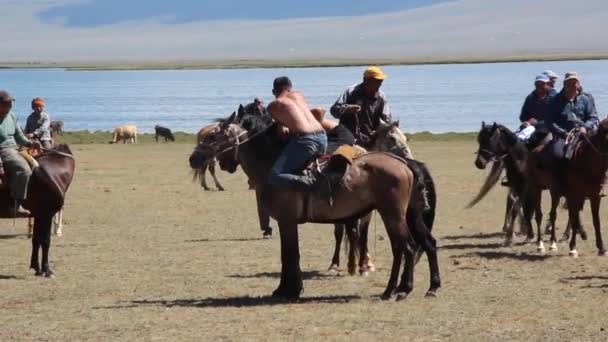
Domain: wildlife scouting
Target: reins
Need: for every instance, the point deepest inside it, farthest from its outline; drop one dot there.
(593, 147)
(57, 152)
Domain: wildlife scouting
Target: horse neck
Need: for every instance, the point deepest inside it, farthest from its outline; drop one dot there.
(516, 155)
(256, 168)
(592, 160)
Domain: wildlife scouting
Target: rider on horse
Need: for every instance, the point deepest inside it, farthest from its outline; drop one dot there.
(362, 108)
(38, 125)
(18, 170)
(535, 107)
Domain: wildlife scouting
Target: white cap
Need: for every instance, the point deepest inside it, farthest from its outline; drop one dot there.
(542, 78)
(550, 74)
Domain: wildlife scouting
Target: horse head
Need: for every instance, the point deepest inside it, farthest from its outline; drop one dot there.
(389, 137)
(491, 144)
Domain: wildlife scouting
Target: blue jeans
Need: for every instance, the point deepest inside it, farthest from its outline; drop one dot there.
(299, 151)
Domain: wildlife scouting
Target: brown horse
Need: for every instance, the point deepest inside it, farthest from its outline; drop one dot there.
(209, 163)
(45, 197)
(373, 181)
(583, 177)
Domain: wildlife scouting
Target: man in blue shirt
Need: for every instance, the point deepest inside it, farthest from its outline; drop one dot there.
(534, 110)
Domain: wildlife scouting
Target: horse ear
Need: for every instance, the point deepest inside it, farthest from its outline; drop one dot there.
(241, 110)
(396, 123)
(483, 124)
(494, 126)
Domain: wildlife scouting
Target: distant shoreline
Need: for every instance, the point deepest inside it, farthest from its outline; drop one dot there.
(293, 63)
(103, 137)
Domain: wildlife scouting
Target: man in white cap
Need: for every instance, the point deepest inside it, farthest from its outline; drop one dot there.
(534, 109)
(552, 79)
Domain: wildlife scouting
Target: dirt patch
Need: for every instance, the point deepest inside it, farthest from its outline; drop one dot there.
(148, 255)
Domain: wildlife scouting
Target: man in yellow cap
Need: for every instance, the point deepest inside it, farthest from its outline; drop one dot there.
(363, 107)
(38, 125)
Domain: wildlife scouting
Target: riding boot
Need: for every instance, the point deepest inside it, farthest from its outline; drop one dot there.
(16, 210)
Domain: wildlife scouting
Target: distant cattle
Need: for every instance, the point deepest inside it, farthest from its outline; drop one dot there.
(124, 133)
(163, 132)
(56, 127)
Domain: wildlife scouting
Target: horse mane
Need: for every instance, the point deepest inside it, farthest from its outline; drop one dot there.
(265, 139)
(517, 151)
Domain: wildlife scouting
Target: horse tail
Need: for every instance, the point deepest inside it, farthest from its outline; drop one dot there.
(489, 183)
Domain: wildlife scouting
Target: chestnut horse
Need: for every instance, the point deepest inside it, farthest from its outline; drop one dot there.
(373, 181)
(200, 173)
(45, 197)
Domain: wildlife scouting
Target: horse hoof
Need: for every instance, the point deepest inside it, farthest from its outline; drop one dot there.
(601, 252)
(553, 246)
(385, 296)
(400, 296)
(541, 247)
(431, 294)
(573, 253)
(333, 269)
(363, 273)
(371, 268)
(49, 274)
(39, 273)
(59, 233)
(507, 243)
(220, 189)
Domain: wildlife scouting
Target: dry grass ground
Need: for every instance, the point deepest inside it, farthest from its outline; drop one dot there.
(147, 255)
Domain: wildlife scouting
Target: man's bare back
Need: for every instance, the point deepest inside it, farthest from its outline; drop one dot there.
(291, 110)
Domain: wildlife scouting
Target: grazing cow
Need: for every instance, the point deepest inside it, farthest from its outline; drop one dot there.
(124, 133)
(163, 132)
(56, 127)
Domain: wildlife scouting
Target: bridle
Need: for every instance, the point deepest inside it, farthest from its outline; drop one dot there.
(237, 142)
(492, 156)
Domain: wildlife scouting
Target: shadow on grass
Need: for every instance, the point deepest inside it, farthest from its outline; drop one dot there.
(12, 236)
(473, 236)
(233, 302)
(306, 275)
(568, 280)
(472, 245)
(225, 240)
(585, 278)
(9, 277)
(492, 255)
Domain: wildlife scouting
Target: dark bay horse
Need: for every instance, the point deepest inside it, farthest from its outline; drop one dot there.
(374, 181)
(583, 178)
(45, 197)
(499, 145)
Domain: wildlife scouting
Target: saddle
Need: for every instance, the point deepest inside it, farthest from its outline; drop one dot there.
(337, 161)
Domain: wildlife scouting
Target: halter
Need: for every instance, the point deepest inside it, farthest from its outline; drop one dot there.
(237, 143)
(493, 154)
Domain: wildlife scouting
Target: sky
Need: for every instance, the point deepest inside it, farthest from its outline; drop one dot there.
(158, 30)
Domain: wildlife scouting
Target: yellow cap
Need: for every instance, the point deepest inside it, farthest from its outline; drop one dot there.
(375, 73)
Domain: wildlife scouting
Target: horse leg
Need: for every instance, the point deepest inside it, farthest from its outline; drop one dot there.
(212, 171)
(552, 217)
(366, 263)
(335, 261)
(595, 213)
(263, 216)
(36, 242)
(574, 215)
(204, 176)
(407, 278)
(396, 230)
(352, 233)
(30, 227)
(58, 223)
(291, 285)
(508, 213)
(43, 224)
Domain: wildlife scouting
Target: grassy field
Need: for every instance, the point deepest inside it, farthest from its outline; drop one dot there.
(148, 255)
(302, 63)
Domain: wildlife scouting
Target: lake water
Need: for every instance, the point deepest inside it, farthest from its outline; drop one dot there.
(436, 98)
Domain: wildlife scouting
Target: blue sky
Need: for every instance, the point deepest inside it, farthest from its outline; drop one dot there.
(106, 12)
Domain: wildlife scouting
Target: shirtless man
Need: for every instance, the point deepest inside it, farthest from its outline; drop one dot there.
(307, 136)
